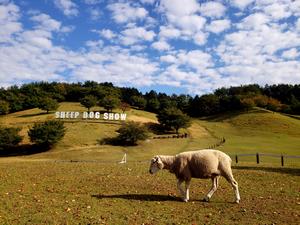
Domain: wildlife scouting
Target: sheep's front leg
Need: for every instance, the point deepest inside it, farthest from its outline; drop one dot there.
(182, 192)
(214, 187)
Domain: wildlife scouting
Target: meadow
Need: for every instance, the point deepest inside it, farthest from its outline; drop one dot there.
(80, 182)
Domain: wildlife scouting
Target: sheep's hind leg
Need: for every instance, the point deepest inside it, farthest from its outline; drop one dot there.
(214, 187)
(235, 187)
(234, 184)
(187, 191)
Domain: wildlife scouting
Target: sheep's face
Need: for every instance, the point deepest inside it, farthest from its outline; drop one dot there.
(156, 165)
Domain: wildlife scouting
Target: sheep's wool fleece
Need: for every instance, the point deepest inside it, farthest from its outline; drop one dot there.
(200, 164)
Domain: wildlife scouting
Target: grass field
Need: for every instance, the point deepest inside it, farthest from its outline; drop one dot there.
(93, 193)
(46, 188)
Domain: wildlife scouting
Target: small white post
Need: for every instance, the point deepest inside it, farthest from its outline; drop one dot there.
(124, 160)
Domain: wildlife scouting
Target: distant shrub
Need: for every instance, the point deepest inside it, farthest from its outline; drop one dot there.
(132, 132)
(173, 118)
(4, 107)
(139, 102)
(9, 137)
(268, 103)
(110, 102)
(47, 133)
(48, 104)
(247, 103)
(88, 102)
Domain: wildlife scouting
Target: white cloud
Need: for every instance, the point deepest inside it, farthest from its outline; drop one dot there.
(290, 54)
(295, 7)
(254, 21)
(125, 13)
(277, 11)
(190, 24)
(68, 7)
(218, 26)
(161, 45)
(213, 9)
(168, 58)
(184, 21)
(38, 38)
(297, 25)
(136, 34)
(200, 38)
(242, 4)
(46, 22)
(169, 32)
(196, 59)
(94, 44)
(178, 8)
(9, 15)
(108, 34)
(95, 13)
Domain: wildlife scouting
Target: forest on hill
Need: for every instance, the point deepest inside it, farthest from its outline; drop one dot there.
(281, 98)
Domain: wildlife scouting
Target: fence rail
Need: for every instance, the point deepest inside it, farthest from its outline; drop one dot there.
(260, 155)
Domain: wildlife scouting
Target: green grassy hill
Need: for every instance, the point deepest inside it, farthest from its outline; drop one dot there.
(81, 141)
(245, 132)
(258, 130)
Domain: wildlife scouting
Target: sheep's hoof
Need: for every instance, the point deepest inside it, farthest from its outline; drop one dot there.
(237, 201)
(206, 199)
(185, 200)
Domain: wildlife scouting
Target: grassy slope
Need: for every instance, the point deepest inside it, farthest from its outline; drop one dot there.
(82, 136)
(255, 131)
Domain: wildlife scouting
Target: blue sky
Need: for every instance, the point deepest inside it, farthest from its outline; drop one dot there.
(172, 46)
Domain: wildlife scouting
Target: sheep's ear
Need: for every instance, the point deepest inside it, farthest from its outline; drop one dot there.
(160, 163)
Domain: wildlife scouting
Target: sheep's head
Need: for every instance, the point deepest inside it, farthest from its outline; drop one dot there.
(156, 164)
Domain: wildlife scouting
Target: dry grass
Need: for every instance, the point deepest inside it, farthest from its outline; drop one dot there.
(91, 193)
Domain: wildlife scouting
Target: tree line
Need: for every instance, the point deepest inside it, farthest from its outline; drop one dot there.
(281, 98)
(173, 111)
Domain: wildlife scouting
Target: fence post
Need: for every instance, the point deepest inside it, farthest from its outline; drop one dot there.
(236, 159)
(257, 158)
(282, 160)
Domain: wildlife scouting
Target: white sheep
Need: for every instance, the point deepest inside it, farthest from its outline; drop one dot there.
(204, 164)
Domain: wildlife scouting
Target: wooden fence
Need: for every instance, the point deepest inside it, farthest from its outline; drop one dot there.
(259, 156)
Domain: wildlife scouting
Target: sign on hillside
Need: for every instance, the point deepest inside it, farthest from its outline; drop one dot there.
(90, 115)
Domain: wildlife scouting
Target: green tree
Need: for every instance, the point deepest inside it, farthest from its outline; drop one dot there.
(4, 107)
(48, 104)
(110, 103)
(173, 118)
(205, 105)
(153, 105)
(88, 102)
(47, 133)
(138, 101)
(9, 137)
(130, 133)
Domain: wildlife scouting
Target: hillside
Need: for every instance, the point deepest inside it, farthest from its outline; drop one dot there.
(81, 141)
(248, 132)
(257, 130)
